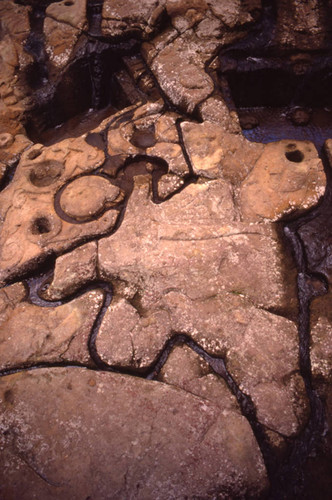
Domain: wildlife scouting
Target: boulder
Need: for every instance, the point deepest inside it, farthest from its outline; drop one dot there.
(120, 434)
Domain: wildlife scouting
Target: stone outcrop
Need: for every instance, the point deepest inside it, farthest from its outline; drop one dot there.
(164, 446)
(72, 271)
(30, 335)
(40, 175)
(182, 273)
(63, 25)
(321, 328)
(288, 176)
(15, 30)
(121, 18)
(153, 341)
(300, 24)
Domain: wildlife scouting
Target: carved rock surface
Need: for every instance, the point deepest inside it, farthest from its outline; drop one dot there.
(192, 85)
(122, 17)
(13, 62)
(200, 252)
(72, 271)
(39, 230)
(78, 202)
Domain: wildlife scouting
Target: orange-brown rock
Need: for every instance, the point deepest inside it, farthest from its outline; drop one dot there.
(214, 152)
(30, 334)
(29, 235)
(11, 148)
(63, 25)
(165, 228)
(87, 197)
(154, 440)
(189, 87)
(186, 272)
(14, 61)
(123, 17)
(288, 177)
(149, 132)
(231, 12)
(72, 271)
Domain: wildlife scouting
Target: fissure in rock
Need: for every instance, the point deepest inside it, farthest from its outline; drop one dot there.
(282, 94)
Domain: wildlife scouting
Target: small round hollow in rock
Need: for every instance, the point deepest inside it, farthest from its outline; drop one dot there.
(296, 156)
(41, 225)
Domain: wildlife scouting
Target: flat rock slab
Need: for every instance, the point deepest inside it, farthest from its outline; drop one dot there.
(72, 271)
(30, 334)
(195, 243)
(178, 277)
(260, 348)
(88, 196)
(115, 436)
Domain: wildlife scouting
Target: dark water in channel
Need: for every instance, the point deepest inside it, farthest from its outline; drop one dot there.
(274, 124)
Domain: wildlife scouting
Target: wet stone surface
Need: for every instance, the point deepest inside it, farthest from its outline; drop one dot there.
(165, 241)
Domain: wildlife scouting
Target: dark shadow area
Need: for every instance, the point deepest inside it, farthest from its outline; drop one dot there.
(278, 92)
(286, 98)
(267, 83)
(94, 12)
(89, 84)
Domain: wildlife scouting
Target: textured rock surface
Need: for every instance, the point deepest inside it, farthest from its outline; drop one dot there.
(216, 153)
(30, 334)
(288, 176)
(192, 85)
(143, 234)
(199, 252)
(321, 345)
(39, 230)
(76, 200)
(63, 25)
(14, 33)
(10, 149)
(300, 24)
(225, 326)
(72, 271)
(170, 431)
(175, 265)
(123, 17)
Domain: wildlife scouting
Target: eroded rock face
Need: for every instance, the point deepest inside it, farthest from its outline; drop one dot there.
(300, 24)
(63, 25)
(14, 33)
(30, 334)
(77, 203)
(199, 252)
(321, 351)
(39, 230)
(72, 271)
(287, 176)
(167, 431)
(141, 235)
(122, 18)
